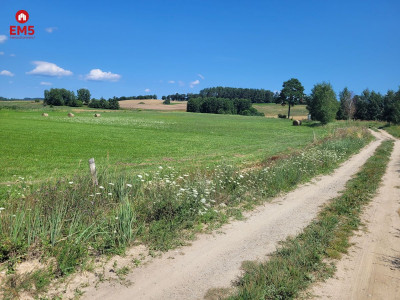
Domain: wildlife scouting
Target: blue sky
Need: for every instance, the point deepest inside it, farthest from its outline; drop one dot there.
(117, 48)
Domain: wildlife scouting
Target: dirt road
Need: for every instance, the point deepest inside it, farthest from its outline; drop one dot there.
(215, 260)
(372, 268)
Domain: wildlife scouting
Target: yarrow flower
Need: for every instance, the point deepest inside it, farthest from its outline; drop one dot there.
(129, 185)
(71, 182)
(101, 187)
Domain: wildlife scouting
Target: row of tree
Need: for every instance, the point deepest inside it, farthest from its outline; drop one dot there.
(140, 97)
(60, 97)
(216, 105)
(180, 97)
(255, 95)
(111, 103)
(323, 104)
(369, 106)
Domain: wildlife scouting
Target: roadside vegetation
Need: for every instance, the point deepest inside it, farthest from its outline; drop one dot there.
(67, 224)
(304, 259)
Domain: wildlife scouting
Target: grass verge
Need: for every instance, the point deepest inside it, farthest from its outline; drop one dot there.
(70, 222)
(303, 259)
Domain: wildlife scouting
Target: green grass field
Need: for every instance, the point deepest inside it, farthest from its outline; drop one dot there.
(272, 110)
(39, 147)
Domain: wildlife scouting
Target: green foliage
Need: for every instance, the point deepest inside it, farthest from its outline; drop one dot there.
(347, 105)
(255, 95)
(215, 105)
(112, 103)
(301, 260)
(323, 105)
(292, 93)
(83, 95)
(59, 97)
(167, 101)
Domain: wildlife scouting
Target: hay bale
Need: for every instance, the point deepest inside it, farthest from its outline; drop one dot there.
(71, 115)
(97, 115)
(45, 115)
(296, 123)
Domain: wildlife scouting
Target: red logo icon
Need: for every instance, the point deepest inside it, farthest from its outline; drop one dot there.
(23, 31)
(22, 16)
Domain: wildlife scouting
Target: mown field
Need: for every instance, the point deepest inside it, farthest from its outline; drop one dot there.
(37, 147)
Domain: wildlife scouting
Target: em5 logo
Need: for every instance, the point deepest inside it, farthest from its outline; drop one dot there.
(24, 32)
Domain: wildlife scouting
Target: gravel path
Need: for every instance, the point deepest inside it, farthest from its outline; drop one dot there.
(215, 260)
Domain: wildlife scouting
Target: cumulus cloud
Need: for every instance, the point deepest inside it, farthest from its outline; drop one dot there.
(45, 83)
(201, 76)
(12, 55)
(2, 38)
(50, 29)
(99, 75)
(171, 81)
(1, 53)
(6, 73)
(194, 83)
(147, 90)
(48, 69)
(181, 83)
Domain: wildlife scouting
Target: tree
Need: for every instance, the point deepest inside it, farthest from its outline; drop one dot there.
(84, 96)
(166, 101)
(292, 93)
(113, 103)
(391, 112)
(347, 106)
(323, 104)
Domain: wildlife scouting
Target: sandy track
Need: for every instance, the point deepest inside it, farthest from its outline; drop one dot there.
(372, 268)
(215, 260)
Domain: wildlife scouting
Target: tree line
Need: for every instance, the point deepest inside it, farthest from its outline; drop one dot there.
(140, 97)
(60, 97)
(254, 95)
(216, 105)
(180, 97)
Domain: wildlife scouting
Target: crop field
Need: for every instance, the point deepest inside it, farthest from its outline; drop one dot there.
(271, 110)
(151, 104)
(39, 147)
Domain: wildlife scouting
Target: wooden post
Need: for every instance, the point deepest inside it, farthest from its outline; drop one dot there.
(92, 167)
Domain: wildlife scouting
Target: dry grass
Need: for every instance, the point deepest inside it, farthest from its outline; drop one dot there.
(153, 105)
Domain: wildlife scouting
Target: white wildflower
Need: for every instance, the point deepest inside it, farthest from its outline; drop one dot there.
(129, 185)
(101, 187)
(140, 176)
(71, 182)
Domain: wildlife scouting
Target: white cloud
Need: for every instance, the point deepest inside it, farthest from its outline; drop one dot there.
(45, 83)
(51, 29)
(181, 83)
(6, 73)
(147, 90)
(99, 75)
(1, 53)
(12, 54)
(48, 69)
(2, 38)
(171, 81)
(201, 76)
(193, 83)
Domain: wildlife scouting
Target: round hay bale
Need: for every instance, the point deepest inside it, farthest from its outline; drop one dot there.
(97, 115)
(71, 115)
(45, 115)
(296, 122)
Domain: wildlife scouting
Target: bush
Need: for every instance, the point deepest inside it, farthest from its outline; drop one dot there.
(167, 101)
